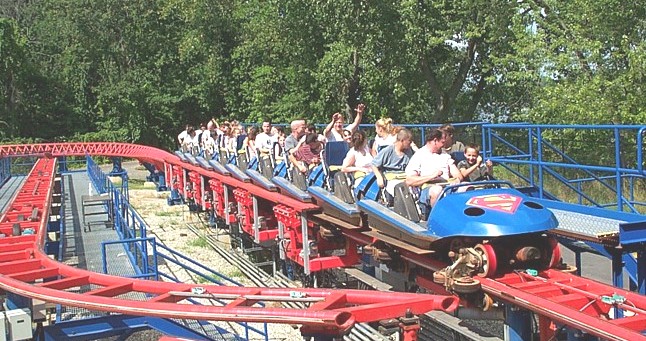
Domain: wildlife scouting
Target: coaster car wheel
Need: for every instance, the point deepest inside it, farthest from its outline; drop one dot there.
(489, 260)
(555, 254)
(465, 285)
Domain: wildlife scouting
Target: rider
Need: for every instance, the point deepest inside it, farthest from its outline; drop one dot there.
(430, 167)
(390, 163)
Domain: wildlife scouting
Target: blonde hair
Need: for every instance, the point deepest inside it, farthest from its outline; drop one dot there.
(386, 123)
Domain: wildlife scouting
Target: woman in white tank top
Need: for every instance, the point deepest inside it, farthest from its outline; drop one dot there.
(358, 159)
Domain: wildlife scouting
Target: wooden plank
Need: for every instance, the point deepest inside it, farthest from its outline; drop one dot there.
(398, 243)
(367, 279)
(335, 221)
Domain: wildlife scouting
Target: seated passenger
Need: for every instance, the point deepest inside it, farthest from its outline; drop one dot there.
(451, 146)
(358, 160)
(291, 141)
(385, 137)
(279, 147)
(266, 139)
(347, 136)
(397, 129)
(227, 141)
(429, 167)
(334, 130)
(312, 129)
(472, 167)
(183, 134)
(390, 162)
(209, 143)
(189, 142)
(198, 136)
(308, 153)
(249, 144)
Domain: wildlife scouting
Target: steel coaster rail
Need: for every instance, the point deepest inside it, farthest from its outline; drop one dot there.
(535, 304)
(360, 331)
(574, 301)
(28, 273)
(194, 268)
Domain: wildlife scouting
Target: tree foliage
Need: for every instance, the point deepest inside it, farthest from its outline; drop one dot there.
(139, 70)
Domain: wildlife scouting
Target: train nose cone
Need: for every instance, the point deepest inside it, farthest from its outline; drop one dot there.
(528, 253)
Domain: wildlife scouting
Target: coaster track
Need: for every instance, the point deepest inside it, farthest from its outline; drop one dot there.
(562, 298)
(27, 271)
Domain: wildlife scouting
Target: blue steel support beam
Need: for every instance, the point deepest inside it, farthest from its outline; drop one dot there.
(635, 267)
(518, 324)
(618, 273)
(641, 272)
(116, 166)
(5, 170)
(62, 164)
(114, 325)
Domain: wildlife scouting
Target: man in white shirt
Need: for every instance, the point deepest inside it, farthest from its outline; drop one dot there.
(209, 136)
(265, 140)
(429, 166)
(183, 134)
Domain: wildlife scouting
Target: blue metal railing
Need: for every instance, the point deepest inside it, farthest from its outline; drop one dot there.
(143, 268)
(171, 256)
(63, 227)
(131, 229)
(98, 178)
(62, 244)
(467, 132)
(5, 170)
(207, 274)
(21, 165)
(535, 148)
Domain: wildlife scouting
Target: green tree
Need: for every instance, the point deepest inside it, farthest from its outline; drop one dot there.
(588, 61)
(12, 54)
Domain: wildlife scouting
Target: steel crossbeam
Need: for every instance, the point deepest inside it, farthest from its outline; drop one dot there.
(562, 298)
(577, 302)
(28, 272)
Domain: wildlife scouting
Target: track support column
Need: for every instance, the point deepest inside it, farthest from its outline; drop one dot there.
(409, 327)
(518, 324)
(641, 272)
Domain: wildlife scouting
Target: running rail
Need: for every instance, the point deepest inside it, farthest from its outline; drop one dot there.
(575, 301)
(563, 298)
(27, 271)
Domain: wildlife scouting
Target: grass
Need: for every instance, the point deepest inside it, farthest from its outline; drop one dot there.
(136, 184)
(202, 280)
(167, 213)
(199, 242)
(236, 273)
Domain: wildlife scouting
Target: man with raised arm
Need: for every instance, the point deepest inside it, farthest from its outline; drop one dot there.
(334, 130)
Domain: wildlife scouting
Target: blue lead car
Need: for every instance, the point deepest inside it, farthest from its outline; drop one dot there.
(478, 228)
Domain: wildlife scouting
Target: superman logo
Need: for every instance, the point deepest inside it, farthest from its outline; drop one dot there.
(500, 202)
